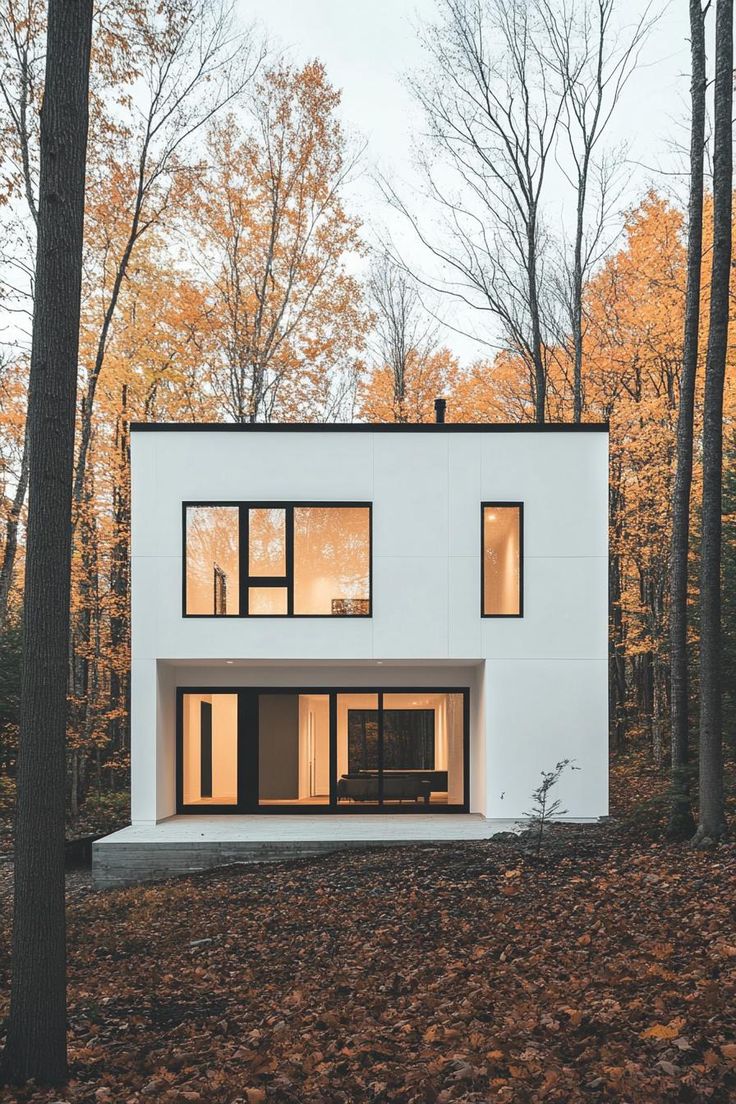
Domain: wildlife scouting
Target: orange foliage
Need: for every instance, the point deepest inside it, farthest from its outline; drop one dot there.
(427, 377)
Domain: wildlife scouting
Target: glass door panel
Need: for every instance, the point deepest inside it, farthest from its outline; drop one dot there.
(294, 749)
(358, 749)
(249, 749)
(210, 749)
(423, 748)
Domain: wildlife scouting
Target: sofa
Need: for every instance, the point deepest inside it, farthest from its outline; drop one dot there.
(410, 785)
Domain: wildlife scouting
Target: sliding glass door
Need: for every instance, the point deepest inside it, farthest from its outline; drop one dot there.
(322, 750)
(401, 748)
(293, 750)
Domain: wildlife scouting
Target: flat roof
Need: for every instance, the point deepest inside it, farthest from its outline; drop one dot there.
(369, 427)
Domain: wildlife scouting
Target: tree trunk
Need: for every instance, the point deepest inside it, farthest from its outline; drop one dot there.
(681, 818)
(540, 372)
(577, 291)
(120, 587)
(36, 1040)
(712, 821)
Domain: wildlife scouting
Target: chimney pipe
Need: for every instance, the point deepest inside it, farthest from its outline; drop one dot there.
(440, 406)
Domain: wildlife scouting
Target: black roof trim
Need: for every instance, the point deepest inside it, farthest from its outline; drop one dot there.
(368, 427)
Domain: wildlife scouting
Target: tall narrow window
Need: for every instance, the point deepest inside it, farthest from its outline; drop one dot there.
(501, 571)
(212, 560)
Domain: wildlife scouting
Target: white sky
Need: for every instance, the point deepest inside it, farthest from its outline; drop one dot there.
(367, 46)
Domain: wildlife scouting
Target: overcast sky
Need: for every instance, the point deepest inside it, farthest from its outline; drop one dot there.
(368, 46)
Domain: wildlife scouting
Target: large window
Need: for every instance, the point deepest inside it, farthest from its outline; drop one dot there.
(322, 749)
(502, 559)
(277, 559)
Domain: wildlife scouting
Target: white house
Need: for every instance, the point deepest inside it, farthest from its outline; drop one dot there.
(361, 622)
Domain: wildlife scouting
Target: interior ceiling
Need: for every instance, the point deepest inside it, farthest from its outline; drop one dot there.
(389, 664)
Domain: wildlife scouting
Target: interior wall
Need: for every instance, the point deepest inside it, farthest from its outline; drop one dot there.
(454, 720)
(191, 745)
(278, 749)
(314, 710)
(225, 746)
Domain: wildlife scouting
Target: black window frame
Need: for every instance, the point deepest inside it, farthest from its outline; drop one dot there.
(247, 730)
(497, 505)
(286, 581)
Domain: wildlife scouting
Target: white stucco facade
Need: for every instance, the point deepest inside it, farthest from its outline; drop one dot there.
(538, 683)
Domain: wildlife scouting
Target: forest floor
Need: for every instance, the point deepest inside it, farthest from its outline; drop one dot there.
(605, 971)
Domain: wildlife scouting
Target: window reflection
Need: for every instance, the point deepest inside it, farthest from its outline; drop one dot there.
(332, 560)
(300, 560)
(266, 541)
(502, 561)
(267, 601)
(212, 560)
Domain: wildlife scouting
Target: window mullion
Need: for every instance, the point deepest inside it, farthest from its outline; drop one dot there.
(290, 561)
(243, 541)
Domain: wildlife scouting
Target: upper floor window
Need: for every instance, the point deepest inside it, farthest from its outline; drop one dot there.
(277, 559)
(502, 563)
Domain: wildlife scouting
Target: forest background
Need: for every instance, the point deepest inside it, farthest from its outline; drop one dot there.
(525, 264)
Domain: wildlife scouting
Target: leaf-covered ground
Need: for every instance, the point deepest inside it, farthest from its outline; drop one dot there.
(607, 972)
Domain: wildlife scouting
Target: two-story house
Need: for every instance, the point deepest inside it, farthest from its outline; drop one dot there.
(347, 633)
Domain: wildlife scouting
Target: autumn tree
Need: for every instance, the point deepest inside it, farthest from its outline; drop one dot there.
(425, 378)
(36, 1038)
(22, 29)
(178, 63)
(409, 369)
(286, 321)
(188, 62)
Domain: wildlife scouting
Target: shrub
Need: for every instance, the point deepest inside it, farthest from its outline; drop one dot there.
(105, 812)
(544, 807)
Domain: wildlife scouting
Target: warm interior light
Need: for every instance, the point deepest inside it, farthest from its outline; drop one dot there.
(502, 562)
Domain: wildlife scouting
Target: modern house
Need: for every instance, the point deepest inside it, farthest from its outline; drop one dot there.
(360, 633)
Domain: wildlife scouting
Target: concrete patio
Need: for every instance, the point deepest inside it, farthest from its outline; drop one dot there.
(186, 844)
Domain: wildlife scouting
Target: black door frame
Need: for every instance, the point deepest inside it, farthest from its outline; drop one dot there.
(247, 736)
